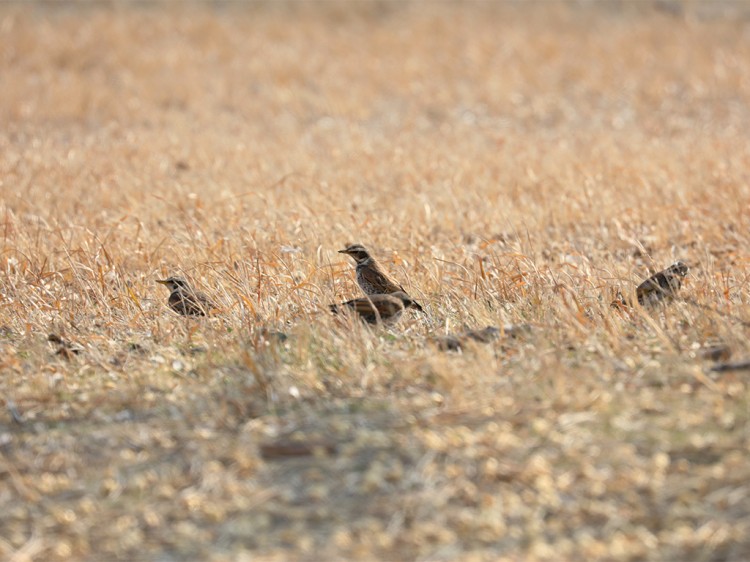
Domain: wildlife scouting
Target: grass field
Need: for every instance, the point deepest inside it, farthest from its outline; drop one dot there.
(509, 163)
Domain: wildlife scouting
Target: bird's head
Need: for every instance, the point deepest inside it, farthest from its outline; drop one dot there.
(680, 268)
(358, 252)
(174, 283)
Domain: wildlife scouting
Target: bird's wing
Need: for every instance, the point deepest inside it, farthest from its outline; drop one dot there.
(377, 278)
(362, 306)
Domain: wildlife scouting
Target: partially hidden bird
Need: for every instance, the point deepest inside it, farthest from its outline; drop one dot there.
(370, 276)
(662, 286)
(185, 300)
(377, 309)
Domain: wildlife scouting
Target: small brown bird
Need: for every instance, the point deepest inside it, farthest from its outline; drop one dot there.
(185, 300)
(370, 277)
(661, 285)
(455, 342)
(65, 347)
(375, 309)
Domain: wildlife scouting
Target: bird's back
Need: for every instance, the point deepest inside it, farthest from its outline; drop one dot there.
(190, 303)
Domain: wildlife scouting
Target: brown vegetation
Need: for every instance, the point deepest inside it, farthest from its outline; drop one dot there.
(510, 164)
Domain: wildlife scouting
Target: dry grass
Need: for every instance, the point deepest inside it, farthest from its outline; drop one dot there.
(509, 163)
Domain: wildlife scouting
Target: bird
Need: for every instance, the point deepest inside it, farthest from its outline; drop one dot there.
(661, 286)
(455, 342)
(65, 347)
(184, 299)
(376, 309)
(370, 277)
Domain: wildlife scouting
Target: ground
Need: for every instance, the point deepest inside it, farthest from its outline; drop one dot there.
(512, 164)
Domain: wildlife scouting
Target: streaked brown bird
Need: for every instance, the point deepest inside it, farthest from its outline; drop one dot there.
(65, 347)
(375, 309)
(370, 277)
(185, 300)
(662, 285)
(455, 342)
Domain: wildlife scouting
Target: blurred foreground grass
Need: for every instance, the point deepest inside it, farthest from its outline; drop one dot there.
(510, 164)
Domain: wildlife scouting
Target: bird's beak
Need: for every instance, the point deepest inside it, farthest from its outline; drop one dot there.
(162, 281)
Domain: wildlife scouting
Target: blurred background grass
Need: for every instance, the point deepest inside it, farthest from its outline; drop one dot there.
(508, 162)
